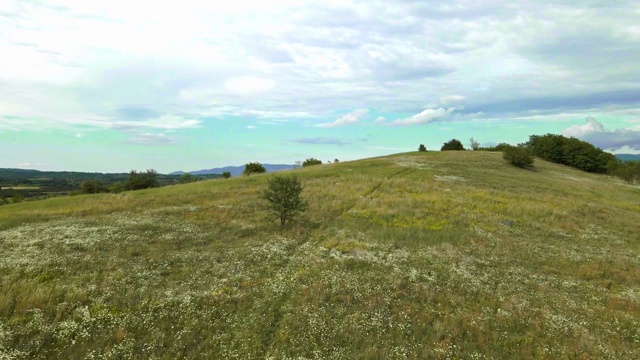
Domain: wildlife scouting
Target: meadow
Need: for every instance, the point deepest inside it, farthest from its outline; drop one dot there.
(438, 255)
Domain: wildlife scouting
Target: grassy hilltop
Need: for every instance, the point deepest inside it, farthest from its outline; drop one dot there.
(416, 255)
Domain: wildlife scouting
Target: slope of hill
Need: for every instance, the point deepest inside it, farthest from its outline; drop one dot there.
(235, 170)
(417, 255)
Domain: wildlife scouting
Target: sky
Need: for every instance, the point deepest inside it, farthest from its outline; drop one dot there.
(111, 86)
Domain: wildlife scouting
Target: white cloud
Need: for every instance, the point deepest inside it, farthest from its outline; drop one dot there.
(247, 85)
(425, 117)
(380, 120)
(446, 100)
(351, 118)
(150, 139)
(591, 126)
(251, 127)
(594, 132)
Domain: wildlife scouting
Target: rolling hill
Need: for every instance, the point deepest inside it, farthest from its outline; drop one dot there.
(408, 256)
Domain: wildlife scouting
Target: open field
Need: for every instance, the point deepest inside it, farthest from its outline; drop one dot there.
(410, 256)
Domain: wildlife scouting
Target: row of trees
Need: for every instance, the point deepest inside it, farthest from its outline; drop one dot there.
(135, 181)
(558, 149)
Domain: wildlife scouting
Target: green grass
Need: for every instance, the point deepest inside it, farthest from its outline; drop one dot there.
(410, 256)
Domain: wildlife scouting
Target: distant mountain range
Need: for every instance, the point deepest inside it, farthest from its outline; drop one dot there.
(628, 157)
(234, 170)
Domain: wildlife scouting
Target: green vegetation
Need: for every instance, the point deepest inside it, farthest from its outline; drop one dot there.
(253, 168)
(93, 187)
(453, 144)
(226, 174)
(571, 152)
(421, 255)
(422, 148)
(628, 171)
(34, 184)
(283, 193)
(311, 162)
(474, 144)
(518, 156)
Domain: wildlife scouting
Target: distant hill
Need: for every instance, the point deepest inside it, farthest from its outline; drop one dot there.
(235, 170)
(628, 157)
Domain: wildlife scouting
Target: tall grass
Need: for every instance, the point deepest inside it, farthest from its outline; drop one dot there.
(411, 256)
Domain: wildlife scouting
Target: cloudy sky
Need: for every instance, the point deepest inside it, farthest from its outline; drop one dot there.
(185, 85)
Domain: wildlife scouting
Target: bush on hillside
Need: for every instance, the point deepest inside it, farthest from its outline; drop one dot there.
(453, 144)
(311, 162)
(518, 156)
(93, 187)
(141, 180)
(475, 145)
(628, 171)
(188, 178)
(253, 168)
(422, 147)
(226, 174)
(283, 194)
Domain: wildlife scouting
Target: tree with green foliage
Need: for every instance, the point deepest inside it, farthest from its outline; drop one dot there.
(453, 144)
(283, 194)
(475, 145)
(628, 171)
(93, 187)
(187, 178)
(17, 197)
(571, 152)
(226, 174)
(141, 180)
(253, 168)
(422, 147)
(311, 162)
(117, 187)
(518, 156)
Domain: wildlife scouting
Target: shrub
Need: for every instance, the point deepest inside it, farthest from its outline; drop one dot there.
(475, 145)
(253, 168)
(311, 162)
(453, 144)
(422, 147)
(518, 156)
(187, 178)
(92, 187)
(141, 180)
(226, 174)
(283, 195)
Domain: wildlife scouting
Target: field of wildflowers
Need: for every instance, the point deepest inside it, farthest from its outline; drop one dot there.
(414, 256)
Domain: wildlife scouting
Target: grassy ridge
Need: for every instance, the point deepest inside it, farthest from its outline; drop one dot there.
(417, 255)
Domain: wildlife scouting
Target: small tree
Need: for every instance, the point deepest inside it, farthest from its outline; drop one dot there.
(453, 144)
(93, 187)
(141, 180)
(311, 162)
(283, 195)
(475, 145)
(226, 174)
(187, 178)
(422, 147)
(336, 160)
(253, 168)
(518, 156)
(17, 197)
